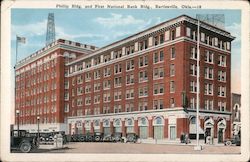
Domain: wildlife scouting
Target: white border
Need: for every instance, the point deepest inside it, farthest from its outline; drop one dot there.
(6, 96)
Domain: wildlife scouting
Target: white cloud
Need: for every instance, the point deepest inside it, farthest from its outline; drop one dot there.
(34, 29)
(61, 33)
(118, 20)
(235, 29)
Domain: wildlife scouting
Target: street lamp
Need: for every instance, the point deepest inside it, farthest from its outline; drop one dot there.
(17, 113)
(38, 119)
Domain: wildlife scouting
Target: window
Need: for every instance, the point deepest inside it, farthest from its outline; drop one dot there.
(79, 91)
(117, 108)
(158, 57)
(172, 132)
(172, 53)
(130, 65)
(193, 86)
(88, 89)
(130, 49)
(143, 45)
(118, 68)
(129, 93)
(106, 109)
(97, 60)
(193, 103)
(172, 102)
(158, 73)
(129, 107)
(208, 89)
(222, 76)
(97, 99)
(158, 104)
(106, 97)
(130, 79)
(87, 77)
(96, 110)
(88, 64)
(106, 72)
(79, 79)
(222, 91)
(188, 32)
(107, 58)
(117, 54)
(97, 74)
(172, 34)
(117, 95)
(172, 87)
(209, 73)
(87, 111)
(209, 56)
(161, 38)
(143, 76)
(66, 85)
(193, 53)
(143, 91)
(143, 61)
(143, 105)
(222, 61)
(117, 81)
(106, 84)
(222, 106)
(208, 104)
(155, 40)
(97, 87)
(79, 102)
(172, 70)
(66, 107)
(87, 100)
(66, 96)
(193, 69)
(159, 88)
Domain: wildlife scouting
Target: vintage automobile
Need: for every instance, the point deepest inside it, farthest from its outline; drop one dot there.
(132, 137)
(234, 141)
(108, 138)
(22, 141)
(98, 136)
(118, 137)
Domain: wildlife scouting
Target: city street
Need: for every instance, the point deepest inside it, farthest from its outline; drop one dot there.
(131, 148)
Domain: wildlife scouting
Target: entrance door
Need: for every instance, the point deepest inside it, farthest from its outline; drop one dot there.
(158, 132)
(106, 131)
(220, 135)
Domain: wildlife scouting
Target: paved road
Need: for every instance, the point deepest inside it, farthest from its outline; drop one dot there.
(131, 148)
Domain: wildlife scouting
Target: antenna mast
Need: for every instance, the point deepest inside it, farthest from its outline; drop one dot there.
(50, 36)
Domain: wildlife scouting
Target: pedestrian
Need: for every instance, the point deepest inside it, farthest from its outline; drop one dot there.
(186, 138)
(182, 137)
(205, 137)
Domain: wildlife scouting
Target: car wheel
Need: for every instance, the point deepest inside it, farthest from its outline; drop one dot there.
(97, 138)
(25, 147)
(228, 143)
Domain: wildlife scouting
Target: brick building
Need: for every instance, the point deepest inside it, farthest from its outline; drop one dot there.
(236, 113)
(145, 83)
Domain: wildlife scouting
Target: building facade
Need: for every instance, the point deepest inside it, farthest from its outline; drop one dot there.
(146, 84)
(236, 113)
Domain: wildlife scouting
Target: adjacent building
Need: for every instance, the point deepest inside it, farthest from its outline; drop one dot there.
(145, 83)
(236, 113)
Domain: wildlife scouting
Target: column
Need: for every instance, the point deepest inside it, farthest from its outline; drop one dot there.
(91, 128)
(123, 129)
(111, 127)
(136, 127)
(150, 128)
(83, 128)
(166, 129)
(101, 127)
(69, 128)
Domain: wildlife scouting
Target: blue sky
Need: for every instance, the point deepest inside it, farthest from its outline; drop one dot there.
(100, 27)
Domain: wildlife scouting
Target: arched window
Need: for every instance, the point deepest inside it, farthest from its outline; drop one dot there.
(193, 120)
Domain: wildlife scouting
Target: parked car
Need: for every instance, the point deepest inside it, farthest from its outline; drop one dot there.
(132, 137)
(234, 141)
(118, 137)
(98, 136)
(108, 138)
(22, 141)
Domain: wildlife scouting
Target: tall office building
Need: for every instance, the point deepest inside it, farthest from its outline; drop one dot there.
(145, 83)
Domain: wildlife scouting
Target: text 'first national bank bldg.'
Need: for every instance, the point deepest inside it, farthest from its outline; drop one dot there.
(145, 83)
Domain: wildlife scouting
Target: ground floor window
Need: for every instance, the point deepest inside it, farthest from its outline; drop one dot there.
(106, 130)
(118, 129)
(97, 130)
(158, 132)
(130, 129)
(172, 132)
(143, 132)
(87, 131)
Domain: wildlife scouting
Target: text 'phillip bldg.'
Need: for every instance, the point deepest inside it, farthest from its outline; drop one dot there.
(145, 83)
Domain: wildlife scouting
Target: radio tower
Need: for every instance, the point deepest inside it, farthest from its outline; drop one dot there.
(50, 36)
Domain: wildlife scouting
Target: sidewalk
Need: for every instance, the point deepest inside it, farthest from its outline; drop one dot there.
(177, 142)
